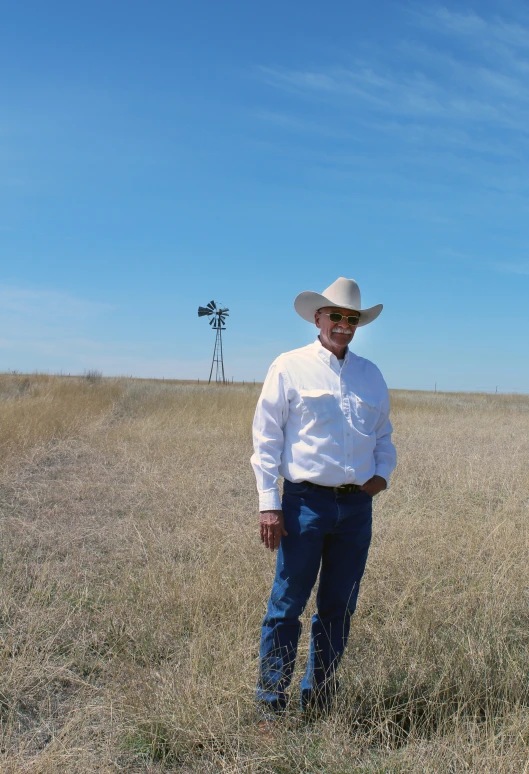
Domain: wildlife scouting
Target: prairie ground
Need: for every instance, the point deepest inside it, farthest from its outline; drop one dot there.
(133, 586)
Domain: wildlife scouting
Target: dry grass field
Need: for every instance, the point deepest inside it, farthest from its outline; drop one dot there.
(132, 588)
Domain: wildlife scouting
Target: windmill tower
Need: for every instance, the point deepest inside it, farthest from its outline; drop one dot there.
(218, 323)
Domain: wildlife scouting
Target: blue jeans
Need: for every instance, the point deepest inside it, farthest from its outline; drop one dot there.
(332, 531)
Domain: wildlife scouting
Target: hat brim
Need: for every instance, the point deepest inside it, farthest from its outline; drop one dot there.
(308, 302)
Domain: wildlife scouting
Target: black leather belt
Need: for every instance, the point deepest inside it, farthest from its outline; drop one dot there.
(343, 489)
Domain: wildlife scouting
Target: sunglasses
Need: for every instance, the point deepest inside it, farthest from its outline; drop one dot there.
(336, 317)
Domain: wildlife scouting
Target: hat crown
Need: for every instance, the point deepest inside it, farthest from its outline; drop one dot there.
(345, 293)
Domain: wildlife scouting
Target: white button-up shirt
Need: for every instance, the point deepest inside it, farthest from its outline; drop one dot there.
(316, 421)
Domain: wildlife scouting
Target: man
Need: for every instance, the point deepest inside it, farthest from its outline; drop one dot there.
(322, 422)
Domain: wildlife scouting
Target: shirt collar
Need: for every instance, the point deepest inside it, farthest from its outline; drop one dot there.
(327, 356)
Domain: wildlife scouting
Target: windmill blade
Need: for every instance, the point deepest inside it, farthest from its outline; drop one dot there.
(224, 311)
(203, 311)
(212, 305)
(212, 321)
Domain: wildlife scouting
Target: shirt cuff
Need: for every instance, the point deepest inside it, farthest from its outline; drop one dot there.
(385, 472)
(270, 500)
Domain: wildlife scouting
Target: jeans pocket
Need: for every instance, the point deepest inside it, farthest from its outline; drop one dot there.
(291, 488)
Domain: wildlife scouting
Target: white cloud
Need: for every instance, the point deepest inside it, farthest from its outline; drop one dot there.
(512, 268)
(470, 25)
(50, 345)
(447, 106)
(471, 94)
(44, 304)
(53, 331)
(300, 125)
(435, 81)
(40, 324)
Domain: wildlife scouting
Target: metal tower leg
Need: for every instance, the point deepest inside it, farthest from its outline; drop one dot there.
(213, 361)
(221, 357)
(218, 360)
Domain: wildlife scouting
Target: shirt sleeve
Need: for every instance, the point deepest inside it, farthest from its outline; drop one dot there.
(270, 418)
(385, 452)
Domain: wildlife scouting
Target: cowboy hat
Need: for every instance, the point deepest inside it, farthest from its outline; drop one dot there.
(343, 293)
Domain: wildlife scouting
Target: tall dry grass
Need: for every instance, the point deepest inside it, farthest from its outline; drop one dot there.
(133, 587)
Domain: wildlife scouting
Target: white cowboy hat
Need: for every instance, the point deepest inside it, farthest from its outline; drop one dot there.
(343, 293)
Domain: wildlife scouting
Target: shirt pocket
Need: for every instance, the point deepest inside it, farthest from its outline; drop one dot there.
(365, 413)
(317, 406)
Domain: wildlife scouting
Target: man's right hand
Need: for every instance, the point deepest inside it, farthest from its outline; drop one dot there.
(272, 528)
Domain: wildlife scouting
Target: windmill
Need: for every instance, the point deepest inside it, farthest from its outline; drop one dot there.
(218, 323)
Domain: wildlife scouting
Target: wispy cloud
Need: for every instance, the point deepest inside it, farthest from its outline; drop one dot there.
(512, 268)
(471, 95)
(287, 122)
(47, 324)
(12, 182)
(429, 81)
(58, 331)
(443, 109)
(44, 305)
(49, 345)
(473, 27)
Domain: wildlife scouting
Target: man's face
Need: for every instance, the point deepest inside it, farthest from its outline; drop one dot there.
(334, 336)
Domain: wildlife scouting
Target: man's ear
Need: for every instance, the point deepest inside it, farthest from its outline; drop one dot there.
(317, 319)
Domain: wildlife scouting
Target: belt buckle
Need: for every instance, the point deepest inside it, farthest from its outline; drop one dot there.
(346, 488)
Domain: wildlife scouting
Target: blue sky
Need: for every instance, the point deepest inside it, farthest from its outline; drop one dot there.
(155, 156)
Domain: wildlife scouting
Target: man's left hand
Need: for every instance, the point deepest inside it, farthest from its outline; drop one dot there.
(374, 485)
